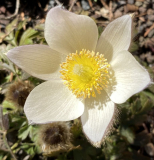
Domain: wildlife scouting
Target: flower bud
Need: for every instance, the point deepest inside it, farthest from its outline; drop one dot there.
(18, 92)
(55, 137)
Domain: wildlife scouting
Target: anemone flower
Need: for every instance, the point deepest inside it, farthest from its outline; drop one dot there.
(85, 75)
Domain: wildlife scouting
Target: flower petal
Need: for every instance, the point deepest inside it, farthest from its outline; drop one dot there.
(115, 38)
(38, 60)
(67, 32)
(98, 118)
(52, 101)
(128, 78)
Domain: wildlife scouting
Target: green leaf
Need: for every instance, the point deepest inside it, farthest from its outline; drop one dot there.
(2, 35)
(29, 148)
(40, 27)
(149, 94)
(33, 132)
(100, 30)
(147, 107)
(17, 121)
(24, 132)
(27, 36)
(30, 151)
(7, 104)
(133, 47)
(21, 24)
(136, 106)
(143, 98)
(128, 134)
(12, 25)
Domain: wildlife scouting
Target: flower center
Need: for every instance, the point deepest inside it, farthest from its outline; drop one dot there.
(85, 73)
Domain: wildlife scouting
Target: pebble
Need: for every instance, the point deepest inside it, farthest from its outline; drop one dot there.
(114, 4)
(121, 9)
(151, 33)
(151, 17)
(131, 1)
(85, 5)
(122, 2)
(117, 13)
(130, 8)
(149, 23)
(51, 4)
(142, 9)
(150, 149)
(150, 11)
(144, 5)
(138, 3)
(142, 27)
(141, 39)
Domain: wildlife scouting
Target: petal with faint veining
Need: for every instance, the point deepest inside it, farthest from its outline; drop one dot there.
(98, 118)
(116, 37)
(67, 32)
(52, 101)
(128, 77)
(38, 60)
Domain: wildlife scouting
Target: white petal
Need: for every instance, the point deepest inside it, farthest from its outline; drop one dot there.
(67, 32)
(98, 118)
(116, 37)
(52, 101)
(38, 60)
(128, 78)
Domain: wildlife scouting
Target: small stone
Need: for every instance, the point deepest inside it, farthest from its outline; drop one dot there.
(151, 17)
(122, 2)
(149, 23)
(85, 5)
(2, 9)
(142, 10)
(150, 11)
(138, 3)
(142, 27)
(151, 33)
(146, 2)
(130, 8)
(114, 4)
(104, 12)
(141, 39)
(149, 148)
(121, 9)
(117, 14)
(130, 1)
(51, 4)
(144, 5)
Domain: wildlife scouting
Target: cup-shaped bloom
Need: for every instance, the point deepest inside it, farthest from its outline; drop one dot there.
(85, 76)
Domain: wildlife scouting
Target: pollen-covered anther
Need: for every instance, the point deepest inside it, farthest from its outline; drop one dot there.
(85, 72)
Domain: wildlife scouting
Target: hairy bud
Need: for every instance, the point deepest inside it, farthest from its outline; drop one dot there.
(18, 92)
(55, 137)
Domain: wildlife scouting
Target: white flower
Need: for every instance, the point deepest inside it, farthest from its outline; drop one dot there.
(93, 83)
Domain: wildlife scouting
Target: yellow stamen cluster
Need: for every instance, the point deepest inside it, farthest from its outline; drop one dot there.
(85, 72)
